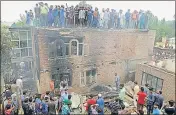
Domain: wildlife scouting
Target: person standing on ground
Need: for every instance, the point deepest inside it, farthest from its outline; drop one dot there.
(146, 89)
(25, 107)
(150, 100)
(8, 92)
(141, 99)
(122, 93)
(15, 103)
(59, 104)
(100, 102)
(114, 107)
(90, 101)
(170, 110)
(117, 82)
(161, 100)
(136, 90)
(44, 106)
(14, 87)
(31, 106)
(19, 83)
(51, 107)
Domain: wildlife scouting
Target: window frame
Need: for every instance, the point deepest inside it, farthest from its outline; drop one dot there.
(147, 74)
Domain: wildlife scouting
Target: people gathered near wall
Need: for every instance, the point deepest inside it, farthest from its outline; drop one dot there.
(62, 16)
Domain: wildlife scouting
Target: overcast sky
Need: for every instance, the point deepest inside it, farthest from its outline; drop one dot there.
(10, 10)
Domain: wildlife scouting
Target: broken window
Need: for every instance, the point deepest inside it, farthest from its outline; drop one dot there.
(16, 53)
(15, 44)
(29, 43)
(15, 35)
(74, 49)
(67, 49)
(155, 82)
(23, 44)
(23, 35)
(90, 76)
(24, 52)
(59, 50)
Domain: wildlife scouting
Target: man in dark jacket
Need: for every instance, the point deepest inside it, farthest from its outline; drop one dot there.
(25, 107)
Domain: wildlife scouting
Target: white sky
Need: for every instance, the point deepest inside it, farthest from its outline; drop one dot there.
(10, 10)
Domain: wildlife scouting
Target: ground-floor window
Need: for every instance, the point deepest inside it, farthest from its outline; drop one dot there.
(91, 76)
(153, 81)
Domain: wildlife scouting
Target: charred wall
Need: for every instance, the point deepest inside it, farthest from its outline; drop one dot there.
(104, 53)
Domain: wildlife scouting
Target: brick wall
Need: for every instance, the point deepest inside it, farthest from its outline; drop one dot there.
(168, 79)
(44, 63)
(103, 48)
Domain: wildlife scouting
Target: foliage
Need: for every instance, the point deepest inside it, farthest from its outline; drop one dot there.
(163, 28)
(5, 51)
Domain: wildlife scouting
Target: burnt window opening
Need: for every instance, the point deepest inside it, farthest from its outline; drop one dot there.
(59, 50)
(74, 47)
(67, 49)
(91, 76)
(80, 49)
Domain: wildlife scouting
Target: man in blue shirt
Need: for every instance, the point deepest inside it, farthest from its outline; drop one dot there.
(100, 102)
(127, 18)
(150, 100)
(156, 110)
(56, 16)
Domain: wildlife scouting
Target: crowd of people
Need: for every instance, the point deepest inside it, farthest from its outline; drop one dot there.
(59, 101)
(64, 16)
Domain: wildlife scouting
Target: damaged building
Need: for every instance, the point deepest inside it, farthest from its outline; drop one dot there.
(85, 57)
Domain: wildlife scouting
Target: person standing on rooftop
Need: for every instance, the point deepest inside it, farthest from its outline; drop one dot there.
(76, 16)
(101, 21)
(56, 16)
(106, 18)
(62, 16)
(27, 18)
(127, 18)
(31, 18)
(81, 16)
(95, 18)
(50, 16)
(90, 16)
(37, 15)
(44, 12)
(134, 19)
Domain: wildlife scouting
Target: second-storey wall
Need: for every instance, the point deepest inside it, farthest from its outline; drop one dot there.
(108, 52)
